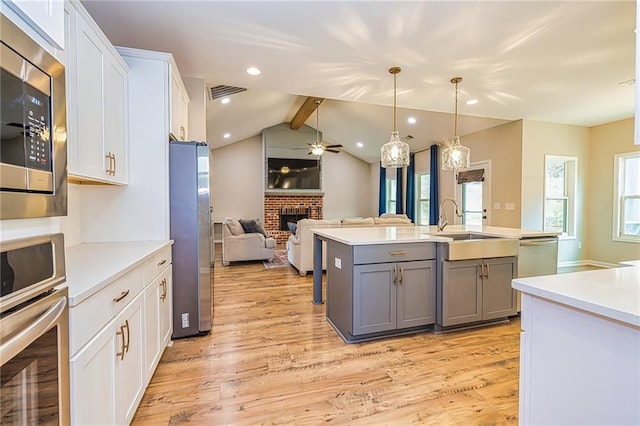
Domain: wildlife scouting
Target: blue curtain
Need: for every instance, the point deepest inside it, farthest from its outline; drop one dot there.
(399, 204)
(382, 195)
(410, 209)
(434, 171)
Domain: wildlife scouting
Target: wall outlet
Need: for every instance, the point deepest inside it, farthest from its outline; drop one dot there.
(185, 320)
(579, 244)
(338, 263)
(509, 206)
(496, 206)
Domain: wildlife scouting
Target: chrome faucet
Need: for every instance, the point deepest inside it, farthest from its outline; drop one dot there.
(442, 220)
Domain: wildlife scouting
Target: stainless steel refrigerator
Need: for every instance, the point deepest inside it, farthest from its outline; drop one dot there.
(191, 232)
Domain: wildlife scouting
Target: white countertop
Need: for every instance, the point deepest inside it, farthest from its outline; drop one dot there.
(411, 234)
(613, 293)
(92, 266)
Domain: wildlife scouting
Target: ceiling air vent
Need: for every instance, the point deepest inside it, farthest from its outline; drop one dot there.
(221, 91)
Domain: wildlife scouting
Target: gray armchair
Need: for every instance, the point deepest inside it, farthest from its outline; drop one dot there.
(238, 245)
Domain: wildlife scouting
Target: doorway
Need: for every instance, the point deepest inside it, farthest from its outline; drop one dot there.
(474, 191)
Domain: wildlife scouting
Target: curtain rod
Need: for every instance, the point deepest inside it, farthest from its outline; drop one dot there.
(428, 148)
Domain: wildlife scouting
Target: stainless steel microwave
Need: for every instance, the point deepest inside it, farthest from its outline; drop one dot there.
(33, 136)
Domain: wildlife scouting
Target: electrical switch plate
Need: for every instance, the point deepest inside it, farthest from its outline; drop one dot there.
(338, 262)
(509, 206)
(185, 320)
(496, 206)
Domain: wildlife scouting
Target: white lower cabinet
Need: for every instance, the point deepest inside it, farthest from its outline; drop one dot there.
(158, 319)
(107, 374)
(117, 337)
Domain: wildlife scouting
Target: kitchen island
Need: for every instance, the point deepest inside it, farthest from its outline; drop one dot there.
(580, 347)
(384, 281)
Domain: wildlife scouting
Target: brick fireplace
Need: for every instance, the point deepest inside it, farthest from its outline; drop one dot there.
(293, 207)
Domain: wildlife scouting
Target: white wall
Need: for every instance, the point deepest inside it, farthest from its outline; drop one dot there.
(347, 186)
(540, 139)
(237, 180)
(606, 141)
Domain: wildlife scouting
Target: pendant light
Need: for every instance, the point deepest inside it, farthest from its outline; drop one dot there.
(455, 156)
(394, 153)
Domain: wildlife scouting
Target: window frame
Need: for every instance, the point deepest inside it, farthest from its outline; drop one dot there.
(619, 173)
(569, 197)
(390, 194)
(419, 219)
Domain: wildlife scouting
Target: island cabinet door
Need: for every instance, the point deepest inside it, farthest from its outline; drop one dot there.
(461, 292)
(374, 298)
(498, 298)
(416, 293)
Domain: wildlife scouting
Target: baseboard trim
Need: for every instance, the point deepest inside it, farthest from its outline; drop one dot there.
(587, 263)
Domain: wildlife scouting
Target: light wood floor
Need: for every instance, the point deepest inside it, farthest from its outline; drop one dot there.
(272, 358)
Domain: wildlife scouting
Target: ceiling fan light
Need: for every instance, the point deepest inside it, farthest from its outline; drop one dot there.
(456, 156)
(317, 150)
(394, 153)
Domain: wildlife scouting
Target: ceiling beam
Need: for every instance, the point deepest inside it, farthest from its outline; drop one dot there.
(305, 112)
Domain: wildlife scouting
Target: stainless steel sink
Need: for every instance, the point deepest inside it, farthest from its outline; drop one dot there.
(477, 246)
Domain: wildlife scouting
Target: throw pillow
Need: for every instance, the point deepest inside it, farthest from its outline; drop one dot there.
(235, 227)
(293, 227)
(251, 226)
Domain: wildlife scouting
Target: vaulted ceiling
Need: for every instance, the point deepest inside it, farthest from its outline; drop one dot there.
(570, 62)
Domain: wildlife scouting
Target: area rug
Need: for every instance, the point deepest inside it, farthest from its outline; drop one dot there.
(279, 261)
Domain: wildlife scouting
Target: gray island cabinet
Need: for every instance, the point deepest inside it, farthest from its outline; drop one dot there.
(476, 290)
(378, 290)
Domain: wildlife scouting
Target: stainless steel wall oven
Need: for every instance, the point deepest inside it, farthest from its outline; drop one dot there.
(34, 332)
(33, 136)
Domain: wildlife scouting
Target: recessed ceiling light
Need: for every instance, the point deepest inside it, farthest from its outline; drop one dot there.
(226, 135)
(253, 71)
(472, 101)
(411, 120)
(225, 100)
(359, 144)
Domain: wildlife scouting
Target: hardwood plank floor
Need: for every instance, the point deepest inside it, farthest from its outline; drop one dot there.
(272, 358)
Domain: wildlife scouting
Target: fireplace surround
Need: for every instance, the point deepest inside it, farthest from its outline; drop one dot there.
(296, 207)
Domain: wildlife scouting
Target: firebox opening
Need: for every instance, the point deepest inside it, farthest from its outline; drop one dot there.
(293, 214)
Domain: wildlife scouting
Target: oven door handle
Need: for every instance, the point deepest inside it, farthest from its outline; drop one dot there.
(41, 325)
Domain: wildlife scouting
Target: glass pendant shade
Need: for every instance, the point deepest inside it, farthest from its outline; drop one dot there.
(394, 153)
(456, 156)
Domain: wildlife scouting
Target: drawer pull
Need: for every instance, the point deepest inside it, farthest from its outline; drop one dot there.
(122, 296)
(162, 262)
(396, 252)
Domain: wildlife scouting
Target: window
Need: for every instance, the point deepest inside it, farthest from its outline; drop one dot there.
(560, 194)
(391, 195)
(423, 189)
(626, 202)
(472, 210)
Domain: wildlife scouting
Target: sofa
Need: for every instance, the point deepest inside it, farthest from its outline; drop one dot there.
(245, 240)
(300, 243)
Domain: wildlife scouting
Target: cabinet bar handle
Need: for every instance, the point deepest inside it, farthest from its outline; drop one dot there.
(394, 275)
(401, 276)
(396, 252)
(162, 262)
(163, 296)
(115, 165)
(122, 296)
(481, 269)
(487, 274)
(122, 350)
(126, 324)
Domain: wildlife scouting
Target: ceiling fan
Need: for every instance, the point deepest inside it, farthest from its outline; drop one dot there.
(319, 147)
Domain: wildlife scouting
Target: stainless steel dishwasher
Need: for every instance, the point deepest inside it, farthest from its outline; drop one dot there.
(537, 256)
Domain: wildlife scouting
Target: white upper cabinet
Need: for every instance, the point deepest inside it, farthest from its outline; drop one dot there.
(45, 16)
(179, 106)
(97, 103)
